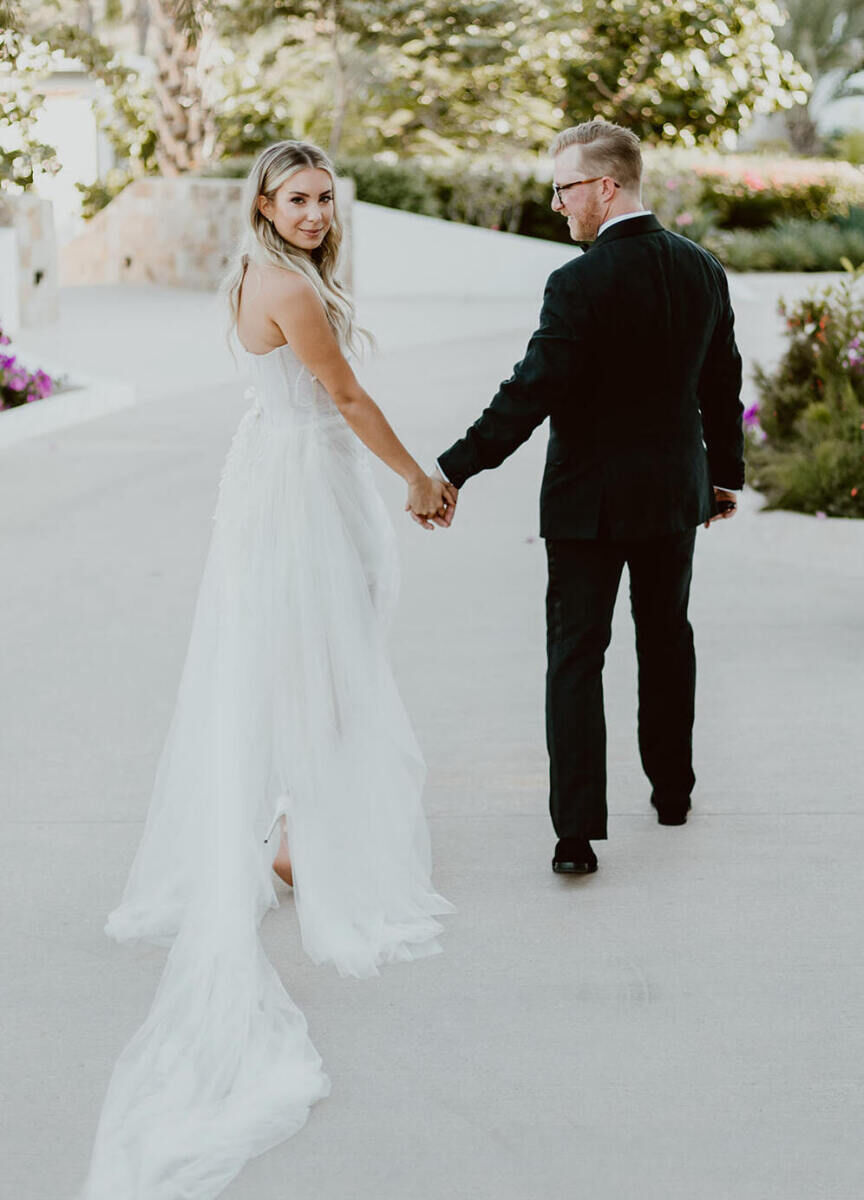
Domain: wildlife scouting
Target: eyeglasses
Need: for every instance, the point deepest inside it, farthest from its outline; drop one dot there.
(558, 188)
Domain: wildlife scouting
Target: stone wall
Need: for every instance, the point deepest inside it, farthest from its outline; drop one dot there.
(174, 232)
(29, 261)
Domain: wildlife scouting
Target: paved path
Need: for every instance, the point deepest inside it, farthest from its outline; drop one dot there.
(683, 1024)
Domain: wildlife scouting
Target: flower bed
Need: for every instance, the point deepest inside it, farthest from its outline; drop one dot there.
(18, 385)
(806, 434)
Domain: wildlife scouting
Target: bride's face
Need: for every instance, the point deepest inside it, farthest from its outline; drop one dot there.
(301, 208)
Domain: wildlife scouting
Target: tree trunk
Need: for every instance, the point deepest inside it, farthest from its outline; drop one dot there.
(184, 121)
(802, 130)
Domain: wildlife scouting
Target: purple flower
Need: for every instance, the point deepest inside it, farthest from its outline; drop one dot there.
(43, 384)
(4, 340)
(751, 415)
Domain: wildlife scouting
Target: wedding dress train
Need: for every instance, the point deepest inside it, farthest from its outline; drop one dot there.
(286, 706)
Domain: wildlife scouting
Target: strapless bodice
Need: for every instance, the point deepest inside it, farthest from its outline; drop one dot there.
(286, 392)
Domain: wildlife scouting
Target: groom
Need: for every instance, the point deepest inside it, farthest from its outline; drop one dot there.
(634, 361)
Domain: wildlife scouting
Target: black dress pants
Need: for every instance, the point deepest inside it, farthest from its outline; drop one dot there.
(583, 582)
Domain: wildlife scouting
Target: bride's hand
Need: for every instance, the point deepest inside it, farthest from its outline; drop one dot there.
(431, 501)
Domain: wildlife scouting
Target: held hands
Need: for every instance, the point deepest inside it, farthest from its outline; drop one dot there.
(724, 500)
(431, 501)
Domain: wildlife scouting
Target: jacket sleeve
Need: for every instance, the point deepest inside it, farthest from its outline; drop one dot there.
(719, 399)
(523, 401)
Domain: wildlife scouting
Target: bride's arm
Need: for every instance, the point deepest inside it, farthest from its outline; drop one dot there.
(299, 313)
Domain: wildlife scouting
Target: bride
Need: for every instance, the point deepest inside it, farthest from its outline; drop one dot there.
(287, 715)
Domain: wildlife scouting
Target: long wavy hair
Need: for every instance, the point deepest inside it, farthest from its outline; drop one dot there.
(261, 242)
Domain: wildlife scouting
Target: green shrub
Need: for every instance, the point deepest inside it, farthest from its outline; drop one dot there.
(676, 195)
(790, 245)
(806, 434)
(95, 196)
(750, 202)
(481, 194)
(744, 192)
(796, 214)
(236, 167)
(849, 146)
(406, 185)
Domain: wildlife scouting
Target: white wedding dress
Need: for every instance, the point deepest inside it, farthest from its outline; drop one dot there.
(286, 705)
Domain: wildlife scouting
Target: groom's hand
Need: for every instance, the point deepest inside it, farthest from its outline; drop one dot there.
(724, 499)
(431, 501)
(451, 495)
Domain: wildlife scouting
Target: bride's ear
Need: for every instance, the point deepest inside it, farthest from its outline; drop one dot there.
(265, 205)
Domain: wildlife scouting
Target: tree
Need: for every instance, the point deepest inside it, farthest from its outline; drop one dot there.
(413, 75)
(827, 38)
(165, 114)
(676, 73)
(185, 125)
(22, 154)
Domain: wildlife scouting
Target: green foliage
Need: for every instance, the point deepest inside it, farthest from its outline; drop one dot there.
(394, 185)
(509, 196)
(394, 74)
(755, 199)
(23, 156)
(125, 108)
(826, 37)
(678, 73)
(443, 77)
(95, 196)
(849, 146)
(793, 245)
(484, 77)
(807, 450)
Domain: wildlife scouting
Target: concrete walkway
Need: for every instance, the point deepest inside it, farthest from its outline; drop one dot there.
(683, 1024)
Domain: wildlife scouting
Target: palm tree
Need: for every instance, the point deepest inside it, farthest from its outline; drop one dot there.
(184, 120)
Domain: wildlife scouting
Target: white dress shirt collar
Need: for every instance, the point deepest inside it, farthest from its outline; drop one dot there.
(645, 212)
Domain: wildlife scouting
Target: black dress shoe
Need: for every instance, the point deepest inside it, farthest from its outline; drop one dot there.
(574, 856)
(671, 812)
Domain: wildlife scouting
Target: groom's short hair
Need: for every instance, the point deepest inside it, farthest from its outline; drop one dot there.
(606, 148)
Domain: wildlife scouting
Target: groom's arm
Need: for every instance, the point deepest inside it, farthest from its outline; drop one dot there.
(544, 376)
(719, 399)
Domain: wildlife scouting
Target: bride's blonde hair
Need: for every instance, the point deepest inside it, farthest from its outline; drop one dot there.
(262, 243)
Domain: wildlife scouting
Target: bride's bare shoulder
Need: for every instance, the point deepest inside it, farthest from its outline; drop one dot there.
(283, 284)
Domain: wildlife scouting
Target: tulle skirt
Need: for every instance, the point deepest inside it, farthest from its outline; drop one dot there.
(287, 707)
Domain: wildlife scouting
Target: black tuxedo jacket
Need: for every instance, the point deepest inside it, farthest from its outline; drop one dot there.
(635, 363)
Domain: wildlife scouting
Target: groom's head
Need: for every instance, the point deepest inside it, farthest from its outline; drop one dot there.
(597, 174)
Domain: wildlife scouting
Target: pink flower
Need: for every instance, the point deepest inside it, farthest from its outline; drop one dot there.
(684, 218)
